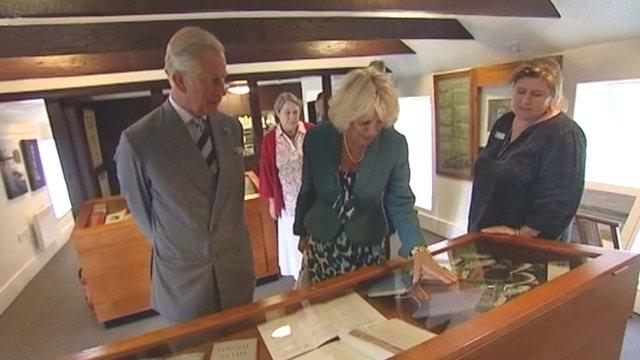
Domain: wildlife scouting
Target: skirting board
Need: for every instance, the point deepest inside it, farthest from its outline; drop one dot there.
(22, 278)
(439, 226)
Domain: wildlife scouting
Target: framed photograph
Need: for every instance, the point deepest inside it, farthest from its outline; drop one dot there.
(12, 169)
(91, 131)
(495, 102)
(33, 163)
(454, 128)
(103, 182)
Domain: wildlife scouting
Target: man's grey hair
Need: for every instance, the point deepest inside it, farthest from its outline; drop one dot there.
(186, 47)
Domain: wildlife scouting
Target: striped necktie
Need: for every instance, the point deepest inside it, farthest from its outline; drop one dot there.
(205, 141)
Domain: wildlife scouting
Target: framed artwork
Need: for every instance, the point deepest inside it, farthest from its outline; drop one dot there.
(454, 128)
(103, 182)
(495, 101)
(33, 163)
(12, 169)
(91, 131)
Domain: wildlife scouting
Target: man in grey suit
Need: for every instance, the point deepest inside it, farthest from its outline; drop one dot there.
(181, 170)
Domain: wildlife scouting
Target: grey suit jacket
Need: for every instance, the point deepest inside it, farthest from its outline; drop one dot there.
(196, 225)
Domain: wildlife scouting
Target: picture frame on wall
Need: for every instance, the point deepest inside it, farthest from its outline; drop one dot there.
(33, 163)
(12, 169)
(495, 102)
(93, 140)
(454, 127)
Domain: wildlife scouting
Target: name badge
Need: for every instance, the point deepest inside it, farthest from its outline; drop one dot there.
(499, 135)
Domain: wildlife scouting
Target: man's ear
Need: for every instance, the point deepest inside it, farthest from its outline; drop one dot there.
(180, 81)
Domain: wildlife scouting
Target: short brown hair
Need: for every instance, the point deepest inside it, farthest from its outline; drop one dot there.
(548, 70)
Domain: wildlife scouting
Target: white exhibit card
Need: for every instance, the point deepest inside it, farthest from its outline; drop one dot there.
(306, 329)
(374, 341)
(245, 349)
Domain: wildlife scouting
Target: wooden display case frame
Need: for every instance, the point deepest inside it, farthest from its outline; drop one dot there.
(581, 314)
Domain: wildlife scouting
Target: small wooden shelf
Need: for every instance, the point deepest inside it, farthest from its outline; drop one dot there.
(116, 258)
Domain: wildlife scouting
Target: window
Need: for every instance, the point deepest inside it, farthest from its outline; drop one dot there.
(415, 123)
(607, 112)
(56, 184)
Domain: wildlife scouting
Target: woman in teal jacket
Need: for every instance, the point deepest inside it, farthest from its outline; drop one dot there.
(355, 177)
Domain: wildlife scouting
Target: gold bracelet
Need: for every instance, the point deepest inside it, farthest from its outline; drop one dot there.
(419, 249)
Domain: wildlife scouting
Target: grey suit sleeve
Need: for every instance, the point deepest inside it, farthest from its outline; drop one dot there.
(134, 185)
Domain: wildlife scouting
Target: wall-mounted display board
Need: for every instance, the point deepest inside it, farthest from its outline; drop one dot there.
(33, 163)
(467, 103)
(454, 126)
(12, 169)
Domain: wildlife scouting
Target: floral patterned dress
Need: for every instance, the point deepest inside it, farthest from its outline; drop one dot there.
(325, 260)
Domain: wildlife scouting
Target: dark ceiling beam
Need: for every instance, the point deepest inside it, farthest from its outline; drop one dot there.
(114, 37)
(114, 62)
(159, 85)
(47, 8)
(289, 74)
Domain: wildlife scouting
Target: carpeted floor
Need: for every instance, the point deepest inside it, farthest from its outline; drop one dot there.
(50, 317)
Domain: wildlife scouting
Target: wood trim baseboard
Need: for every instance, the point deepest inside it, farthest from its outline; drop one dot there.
(440, 226)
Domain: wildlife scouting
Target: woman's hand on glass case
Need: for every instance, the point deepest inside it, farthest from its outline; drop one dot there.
(424, 267)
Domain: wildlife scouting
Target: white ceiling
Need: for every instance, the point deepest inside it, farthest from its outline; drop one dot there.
(583, 22)
(24, 111)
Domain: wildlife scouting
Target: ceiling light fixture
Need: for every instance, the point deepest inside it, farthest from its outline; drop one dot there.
(238, 88)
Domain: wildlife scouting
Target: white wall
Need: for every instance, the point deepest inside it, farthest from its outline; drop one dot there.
(21, 261)
(608, 61)
(311, 87)
(451, 196)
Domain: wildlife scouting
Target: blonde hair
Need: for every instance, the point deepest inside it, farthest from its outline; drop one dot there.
(364, 93)
(548, 70)
(186, 47)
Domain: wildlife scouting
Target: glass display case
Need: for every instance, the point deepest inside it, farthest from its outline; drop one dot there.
(516, 298)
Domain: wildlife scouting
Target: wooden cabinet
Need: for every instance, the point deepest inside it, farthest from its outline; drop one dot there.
(262, 229)
(115, 258)
(540, 300)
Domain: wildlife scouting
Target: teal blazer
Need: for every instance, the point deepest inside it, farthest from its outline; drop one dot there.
(381, 191)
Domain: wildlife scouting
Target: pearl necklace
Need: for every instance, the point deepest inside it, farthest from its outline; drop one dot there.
(346, 146)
